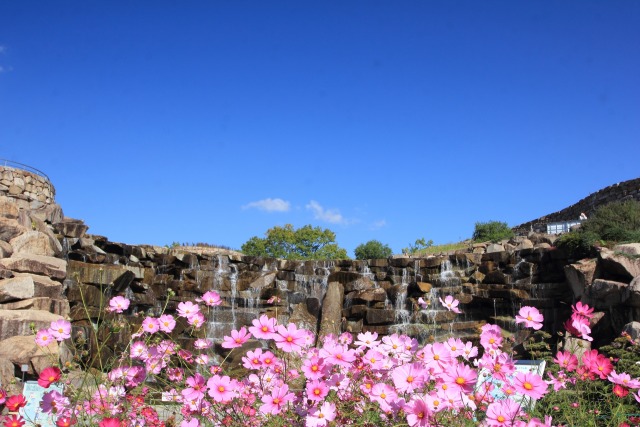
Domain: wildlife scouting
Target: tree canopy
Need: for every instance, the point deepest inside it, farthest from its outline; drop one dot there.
(288, 243)
(373, 249)
(492, 230)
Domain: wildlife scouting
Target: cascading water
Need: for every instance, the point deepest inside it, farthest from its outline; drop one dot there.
(402, 315)
(223, 318)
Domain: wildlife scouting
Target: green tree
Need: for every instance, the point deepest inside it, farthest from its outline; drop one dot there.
(288, 243)
(492, 230)
(373, 249)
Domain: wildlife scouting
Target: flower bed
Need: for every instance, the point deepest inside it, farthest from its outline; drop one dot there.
(287, 379)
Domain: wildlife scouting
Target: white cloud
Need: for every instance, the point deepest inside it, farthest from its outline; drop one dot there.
(378, 224)
(332, 216)
(269, 205)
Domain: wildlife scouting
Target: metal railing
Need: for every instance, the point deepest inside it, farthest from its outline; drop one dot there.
(16, 165)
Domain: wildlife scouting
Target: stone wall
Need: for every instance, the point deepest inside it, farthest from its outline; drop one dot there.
(619, 192)
(24, 185)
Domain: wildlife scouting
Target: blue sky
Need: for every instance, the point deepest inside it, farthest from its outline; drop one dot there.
(214, 121)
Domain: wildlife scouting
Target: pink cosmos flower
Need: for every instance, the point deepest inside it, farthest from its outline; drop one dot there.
(321, 416)
(314, 367)
(461, 377)
(422, 303)
(138, 350)
(503, 412)
(450, 303)
(490, 339)
(289, 339)
(118, 304)
(202, 344)
(150, 325)
(236, 339)
(582, 310)
(195, 388)
(60, 329)
(374, 359)
(531, 317)
(187, 309)
(279, 397)
(252, 359)
(166, 323)
(407, 378)
(211, 298)
(44, 338)
(418, 412)
(367, 339)
(191, 423)
(623, 379)
(384, 395)
(317, 390)
(338, 354)
(578, 326)
(196, 320)
(566, 360)
(530, 384)
(263, 328)
(221, 388)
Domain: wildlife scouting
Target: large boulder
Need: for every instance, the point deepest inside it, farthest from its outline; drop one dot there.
(8, 209)
(16, 288)
(580, 276)
(10, 228)
(35, 243)
(19, 322)
(617, 266)
(23, 350)
(634, 292)
(607, 293)
(628, 248)
(38, 264)
(70, 227)
(331, 319)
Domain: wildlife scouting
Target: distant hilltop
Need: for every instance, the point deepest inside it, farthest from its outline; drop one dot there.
(619, 192)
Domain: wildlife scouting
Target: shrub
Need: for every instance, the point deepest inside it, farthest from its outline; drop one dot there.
(618, 221)
(492, 230)
(373, 249)
(578, 244)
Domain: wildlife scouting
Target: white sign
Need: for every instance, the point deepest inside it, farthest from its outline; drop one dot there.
(32, 412)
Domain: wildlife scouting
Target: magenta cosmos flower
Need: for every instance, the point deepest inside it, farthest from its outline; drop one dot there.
(531, 317)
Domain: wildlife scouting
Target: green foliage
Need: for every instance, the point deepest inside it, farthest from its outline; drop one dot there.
(288, 243)
(578, 244)
(492, 230)
(373, 249)
(618, 221)
(420, 245)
